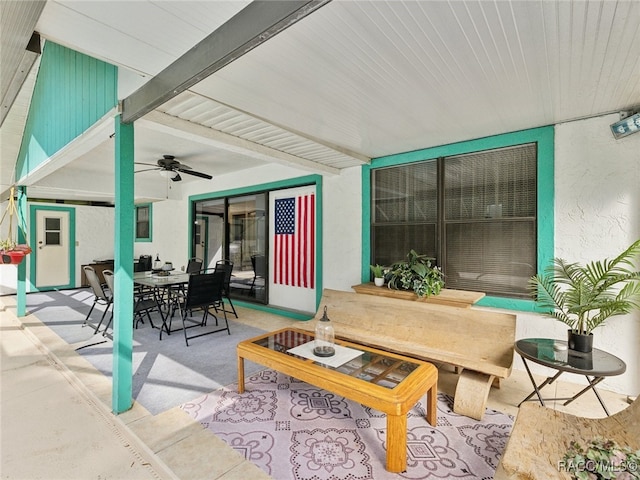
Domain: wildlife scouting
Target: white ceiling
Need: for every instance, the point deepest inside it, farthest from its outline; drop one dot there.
(352, 81)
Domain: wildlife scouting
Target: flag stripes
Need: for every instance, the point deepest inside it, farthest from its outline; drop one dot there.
(294, 241)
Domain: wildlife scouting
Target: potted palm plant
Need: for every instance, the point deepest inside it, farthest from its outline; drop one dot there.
(584, 296)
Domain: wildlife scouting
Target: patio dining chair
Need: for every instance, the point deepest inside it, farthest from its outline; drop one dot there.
(194, 265)
(143, 264)
(259, 272)
(143, 304)
(226, 266)
(100, 297)
(204, 291)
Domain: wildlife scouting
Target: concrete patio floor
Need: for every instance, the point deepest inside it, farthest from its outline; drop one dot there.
(56, 418)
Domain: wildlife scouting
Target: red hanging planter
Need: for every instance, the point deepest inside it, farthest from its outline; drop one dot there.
(13, 257)
(11, 252)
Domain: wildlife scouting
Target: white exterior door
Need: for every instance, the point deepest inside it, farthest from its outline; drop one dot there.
(201, 233)
(53, 248)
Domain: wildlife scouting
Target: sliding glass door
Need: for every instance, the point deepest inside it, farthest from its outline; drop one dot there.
(235, 229)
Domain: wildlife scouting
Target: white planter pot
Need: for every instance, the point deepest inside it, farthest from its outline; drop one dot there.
(379, 281)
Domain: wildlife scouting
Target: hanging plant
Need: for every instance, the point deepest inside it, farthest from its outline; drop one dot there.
(10, 251)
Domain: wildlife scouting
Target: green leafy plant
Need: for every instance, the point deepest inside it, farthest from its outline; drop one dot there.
(7, 244)
(417, 273)
(601, 459)
(377, 270)
(584, 296)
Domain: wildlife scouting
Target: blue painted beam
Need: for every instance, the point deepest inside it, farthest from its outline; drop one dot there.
(21, 287)
(122, 392)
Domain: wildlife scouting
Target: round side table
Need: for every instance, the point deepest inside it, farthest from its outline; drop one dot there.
(555, 354)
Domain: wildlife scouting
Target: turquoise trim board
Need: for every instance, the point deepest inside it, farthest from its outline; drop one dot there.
(266, 187)
(72, 92)
(276, 311)
(543, 136)
(33, 209)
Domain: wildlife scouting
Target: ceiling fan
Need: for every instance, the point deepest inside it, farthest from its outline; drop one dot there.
(171, 168)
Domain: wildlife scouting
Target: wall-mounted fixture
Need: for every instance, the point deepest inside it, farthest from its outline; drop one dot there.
(627, 125)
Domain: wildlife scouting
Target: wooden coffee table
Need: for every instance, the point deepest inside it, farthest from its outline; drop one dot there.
(387, 382)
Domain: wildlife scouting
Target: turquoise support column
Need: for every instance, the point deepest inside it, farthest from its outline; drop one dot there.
(122, 394)
(21, 288)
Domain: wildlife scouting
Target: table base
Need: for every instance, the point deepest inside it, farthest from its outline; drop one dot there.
(592, 382)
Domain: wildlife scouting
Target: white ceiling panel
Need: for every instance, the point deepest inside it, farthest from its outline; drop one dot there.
(360, 79)
(144, 36)
(384, 77)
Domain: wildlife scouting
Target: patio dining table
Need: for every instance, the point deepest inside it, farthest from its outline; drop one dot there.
(164, 292)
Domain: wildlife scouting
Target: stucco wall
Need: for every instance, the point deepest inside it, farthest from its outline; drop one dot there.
(342, 223)
(597, 216)
(94, 241)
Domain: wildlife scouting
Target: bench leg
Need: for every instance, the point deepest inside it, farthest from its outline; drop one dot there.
(472, 393)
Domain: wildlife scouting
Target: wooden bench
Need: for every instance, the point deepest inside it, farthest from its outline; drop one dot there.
(541, 436)
(478, 342)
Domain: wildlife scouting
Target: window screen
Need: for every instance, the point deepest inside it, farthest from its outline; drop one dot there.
(52, 231)
(490, 219)
(143, 222)
(404, 211)
(474, 213)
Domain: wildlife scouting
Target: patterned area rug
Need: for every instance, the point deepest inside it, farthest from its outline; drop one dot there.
(293, 430)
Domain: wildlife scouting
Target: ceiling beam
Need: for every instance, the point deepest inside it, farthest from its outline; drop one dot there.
(255, 24)
(166, 123)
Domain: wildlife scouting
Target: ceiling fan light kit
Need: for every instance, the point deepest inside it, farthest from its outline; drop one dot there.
(168, 174)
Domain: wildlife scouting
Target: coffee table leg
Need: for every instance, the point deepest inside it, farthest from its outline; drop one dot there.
(240, 374)
(432, 406)
(396, 443)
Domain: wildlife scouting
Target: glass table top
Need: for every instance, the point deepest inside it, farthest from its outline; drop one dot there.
(149, 279)
(374, 367)
(556, 354)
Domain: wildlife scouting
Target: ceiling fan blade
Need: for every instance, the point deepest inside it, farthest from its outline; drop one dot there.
(194, 173)
(149, 164)
(177, 178)
(147, 169)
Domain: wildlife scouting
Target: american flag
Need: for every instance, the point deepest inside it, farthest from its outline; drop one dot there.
(295, 241)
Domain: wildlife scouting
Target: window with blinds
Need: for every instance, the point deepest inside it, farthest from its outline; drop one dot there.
(475, 214)
(143, 223)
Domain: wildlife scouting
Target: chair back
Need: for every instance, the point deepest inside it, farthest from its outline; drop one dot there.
(108, 278)
(225, 266)
(94, 283)
(194, 265)
(204, 289)
(259, 265)
(144, 263)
